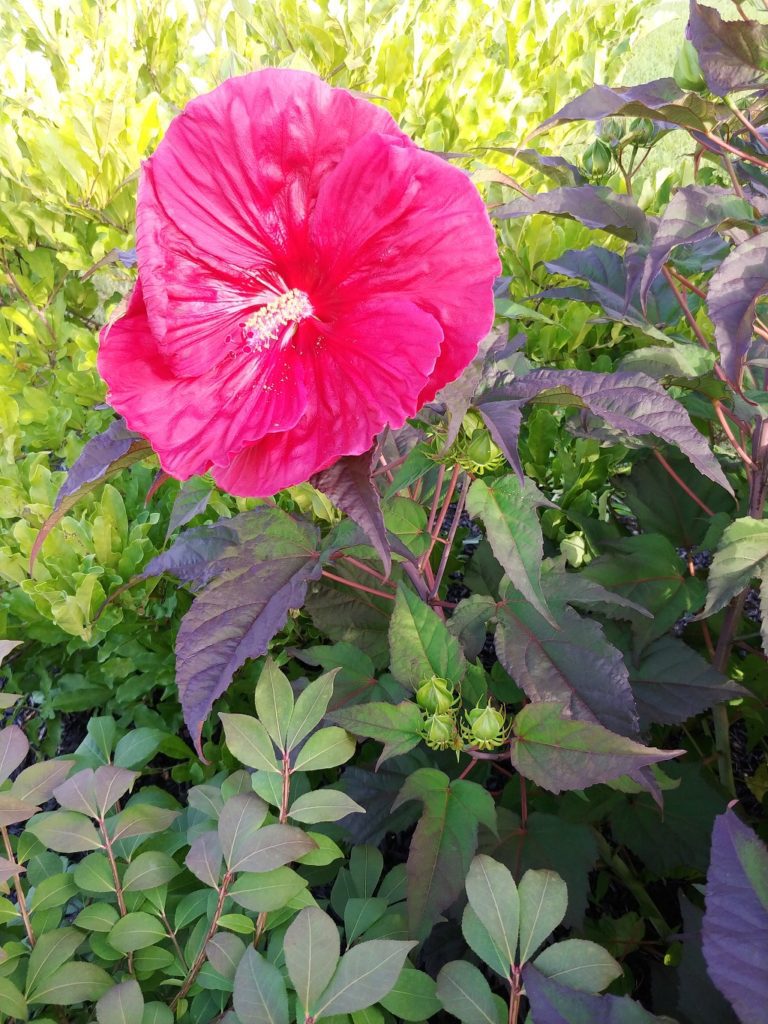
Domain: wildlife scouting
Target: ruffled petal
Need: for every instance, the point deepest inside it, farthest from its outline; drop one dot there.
(224, 200)
(366, 371)
(393, 220)
(195, 423)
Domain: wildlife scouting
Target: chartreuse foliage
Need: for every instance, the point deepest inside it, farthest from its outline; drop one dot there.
(529, 620)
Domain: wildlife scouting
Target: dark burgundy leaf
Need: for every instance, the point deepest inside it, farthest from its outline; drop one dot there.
(251, 570)
(552, 1003)
(457, 396)
(503, 419)
(592, 205)
(572, 663)
(612, 284)
(349, 485)
(735, 927)
(733, 55)
(191, 500)
(661, 101)
(555, 167)
(698, 1000)
(693, 214)
(732, 297)
(102, 457)
(673, 682)
(630, 402)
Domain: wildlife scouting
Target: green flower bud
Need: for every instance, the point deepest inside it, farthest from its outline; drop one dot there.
(687, 71)
(439, 731)
(485, 728)
(435, 696)
(597, 159)
(611, 130)
(642, 131)
(478, 454)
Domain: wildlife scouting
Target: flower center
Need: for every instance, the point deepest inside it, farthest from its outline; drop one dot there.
(267, 323)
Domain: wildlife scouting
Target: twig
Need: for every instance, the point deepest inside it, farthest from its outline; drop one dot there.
(745, 458)
(435, 531)
(450, 539)
(21, 902)
(678, 480)
(357, 586)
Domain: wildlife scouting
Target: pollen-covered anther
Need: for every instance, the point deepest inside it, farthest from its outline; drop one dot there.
(267, 323)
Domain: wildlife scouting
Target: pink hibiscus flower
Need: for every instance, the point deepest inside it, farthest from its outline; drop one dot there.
(307, 276)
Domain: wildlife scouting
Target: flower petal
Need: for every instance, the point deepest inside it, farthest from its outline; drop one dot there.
(231, 186)
(194, 423)
(393, 220)
(365, 372)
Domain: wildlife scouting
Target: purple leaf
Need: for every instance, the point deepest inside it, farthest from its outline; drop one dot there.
(103, 456)
(191, 500)
(349, 485)
(591, 205)
(254, 568)
(732, 297)
(558, 753)
(735, 926)
(553, 1003)
(631, 402)
(693, 214)
(555, 167)
(673, 682)
(572, 663)
(503, 419)
(733, 55)
(661, 101)
(457, 396)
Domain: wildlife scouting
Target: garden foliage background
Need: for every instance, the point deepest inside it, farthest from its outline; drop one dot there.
(89, 89)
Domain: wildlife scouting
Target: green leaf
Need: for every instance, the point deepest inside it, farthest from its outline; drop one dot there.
(397, 726)
(493, 896)
(323, 805)
(51, 950)
(480, 942)
(149, 870)
(122, 1004)
(311, 947)
(560, 753)
(326, 748)
(65, 831)
(274, 703)
(97, 917)
(13, 811)
(268, 890)
(73, 983)
(94, 875)
(239, 923)
(543, 903)
(444, 842)
(366, 973)
(249, 742)
(420, 644)
(14, 746)
(413, 997)
(360, 914)
(12, 1001)
(270, 847)
(136, 931)
(156, 1013)
(508, 512)
(225, 951)
(53, 891)
(365, 866)
(466, 994)
(205, 857)
(137, 748)
(35, 785)
(310, 708)
(259, 993)
(239, 824)
(741, 555)
(140, 819)
(580, 964)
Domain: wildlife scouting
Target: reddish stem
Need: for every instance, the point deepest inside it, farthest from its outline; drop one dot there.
(435, 531)
(436, 498)
(450, 538)
(678, 480)
(367, 568)
(718, 407)
(357, 586)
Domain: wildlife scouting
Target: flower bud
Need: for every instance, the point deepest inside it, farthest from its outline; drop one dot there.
(642, 131)
(597, 159)
(439, 731)
(486, 727)
(435, 696)
(687, 73)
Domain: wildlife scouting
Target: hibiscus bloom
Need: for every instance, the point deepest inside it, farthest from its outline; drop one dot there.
(307, 276)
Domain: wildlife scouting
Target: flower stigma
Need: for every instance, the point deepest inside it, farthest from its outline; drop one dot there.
(267, 323)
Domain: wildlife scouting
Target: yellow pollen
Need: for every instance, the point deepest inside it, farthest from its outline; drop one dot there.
(266, 324)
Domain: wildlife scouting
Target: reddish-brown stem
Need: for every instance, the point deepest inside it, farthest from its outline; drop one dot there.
(436, 498)
(515, 994)
(749, 157)
(728, 164)
(199, 960)
(688, 284)
(437, 527)
(367, 568)
(450, 538)
(387, 467)
(468, 768)
(708, 640)
(746, 459)
(683, 303)
(357, 586)
(745, 120)
(285, 801)
(21, 902)
(115, 878)
(523, 802)
(678, 480)
(174, 940)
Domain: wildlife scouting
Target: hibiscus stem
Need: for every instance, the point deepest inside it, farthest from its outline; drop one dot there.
(450, 539)
(357, 586)
(437, 526)
(367, 568)
(436, 498)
